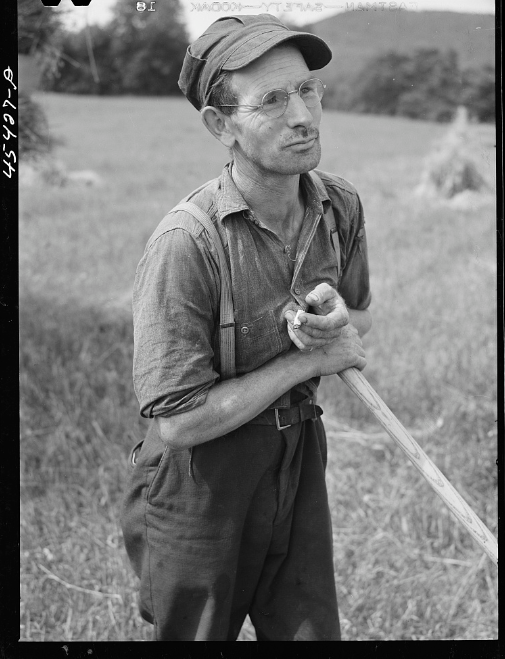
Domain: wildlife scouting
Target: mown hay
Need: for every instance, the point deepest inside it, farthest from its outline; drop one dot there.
(451, 168)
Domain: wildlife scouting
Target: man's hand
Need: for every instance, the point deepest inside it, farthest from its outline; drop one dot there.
(343, 352)
(322, 327)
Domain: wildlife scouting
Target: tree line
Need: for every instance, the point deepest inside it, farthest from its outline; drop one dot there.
(426, 84)
(141, 53)
(137, 52)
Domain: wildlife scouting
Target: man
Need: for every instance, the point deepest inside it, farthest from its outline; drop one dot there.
(227, 511)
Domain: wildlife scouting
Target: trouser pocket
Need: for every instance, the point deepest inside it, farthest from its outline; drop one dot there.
(144, 461)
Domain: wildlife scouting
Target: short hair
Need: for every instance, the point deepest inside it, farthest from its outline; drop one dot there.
(222, 93)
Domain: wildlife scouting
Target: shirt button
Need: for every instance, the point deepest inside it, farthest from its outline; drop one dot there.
(245, 330)
(297, 291)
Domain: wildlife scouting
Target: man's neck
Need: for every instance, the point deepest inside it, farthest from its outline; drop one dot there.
(275, 200)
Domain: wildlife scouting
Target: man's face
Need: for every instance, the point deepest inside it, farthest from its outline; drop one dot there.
(284, 145)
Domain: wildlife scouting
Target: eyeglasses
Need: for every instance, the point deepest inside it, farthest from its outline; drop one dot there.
(274, 103)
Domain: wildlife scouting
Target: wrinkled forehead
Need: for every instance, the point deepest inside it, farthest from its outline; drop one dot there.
(283, 67)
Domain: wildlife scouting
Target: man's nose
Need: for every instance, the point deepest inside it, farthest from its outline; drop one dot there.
(297, 112)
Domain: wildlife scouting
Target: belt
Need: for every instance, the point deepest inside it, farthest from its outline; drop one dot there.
(284, 418)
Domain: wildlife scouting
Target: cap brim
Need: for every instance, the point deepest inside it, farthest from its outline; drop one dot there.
(314, 50)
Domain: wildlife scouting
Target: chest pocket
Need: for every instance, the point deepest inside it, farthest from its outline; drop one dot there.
(258, 341)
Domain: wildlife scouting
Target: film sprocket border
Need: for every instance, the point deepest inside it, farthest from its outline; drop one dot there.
(55, 3)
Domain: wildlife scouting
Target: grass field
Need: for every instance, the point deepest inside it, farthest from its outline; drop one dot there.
(404, 567)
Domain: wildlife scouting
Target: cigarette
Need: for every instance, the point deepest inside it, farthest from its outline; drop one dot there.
(296, 322)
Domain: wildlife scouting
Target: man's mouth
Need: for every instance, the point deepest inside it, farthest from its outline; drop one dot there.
(304, 141)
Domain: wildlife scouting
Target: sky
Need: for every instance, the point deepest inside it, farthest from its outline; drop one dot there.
(199, 18)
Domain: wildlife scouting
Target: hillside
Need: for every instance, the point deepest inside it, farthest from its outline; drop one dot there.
(358, 77)
(357, 36)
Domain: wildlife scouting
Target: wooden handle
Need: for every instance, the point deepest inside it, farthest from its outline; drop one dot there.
(358, 384)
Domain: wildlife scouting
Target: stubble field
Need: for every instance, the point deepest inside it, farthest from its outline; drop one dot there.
(404, 567)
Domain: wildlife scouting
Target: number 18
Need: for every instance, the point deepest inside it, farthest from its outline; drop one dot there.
(142, 6)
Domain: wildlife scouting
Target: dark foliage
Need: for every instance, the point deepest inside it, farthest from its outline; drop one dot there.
(34, 137)
(36, 25)
(426, 85)
(478, 94)
(380, 86)
(39, 28)
(136, 53)
(75, 72)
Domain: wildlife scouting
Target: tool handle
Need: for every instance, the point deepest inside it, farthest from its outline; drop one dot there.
(358, 384)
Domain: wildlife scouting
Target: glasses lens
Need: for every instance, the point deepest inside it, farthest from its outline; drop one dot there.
(311, 92)
(274, 102)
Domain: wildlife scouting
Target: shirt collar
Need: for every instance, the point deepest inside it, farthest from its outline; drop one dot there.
(229, 200)
(316, 194)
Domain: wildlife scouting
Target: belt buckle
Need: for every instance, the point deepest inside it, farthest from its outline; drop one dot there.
(135, 453)
(134, 456)
(277, 420)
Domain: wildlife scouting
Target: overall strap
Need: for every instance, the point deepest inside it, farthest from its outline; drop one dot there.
(226, 316)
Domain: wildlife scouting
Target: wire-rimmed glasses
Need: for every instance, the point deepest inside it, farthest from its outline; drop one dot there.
(275, 102)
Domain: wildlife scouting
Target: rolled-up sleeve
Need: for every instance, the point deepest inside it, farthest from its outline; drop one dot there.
(174, 301)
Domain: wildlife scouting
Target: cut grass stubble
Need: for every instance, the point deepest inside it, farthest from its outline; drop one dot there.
(404, 567)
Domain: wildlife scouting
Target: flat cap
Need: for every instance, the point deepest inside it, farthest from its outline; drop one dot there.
(233, 42)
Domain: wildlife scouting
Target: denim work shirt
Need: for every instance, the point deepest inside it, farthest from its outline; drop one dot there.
(177, 289)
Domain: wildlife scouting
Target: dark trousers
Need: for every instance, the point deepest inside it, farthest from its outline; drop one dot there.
(242, 528)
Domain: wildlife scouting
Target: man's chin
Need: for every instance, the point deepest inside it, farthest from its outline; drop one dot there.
(301, 163)
(289, 164)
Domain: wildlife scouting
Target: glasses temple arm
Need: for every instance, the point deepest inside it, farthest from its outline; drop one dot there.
(241, 105)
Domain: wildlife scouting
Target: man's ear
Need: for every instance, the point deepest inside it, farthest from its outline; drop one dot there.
(219, 124)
